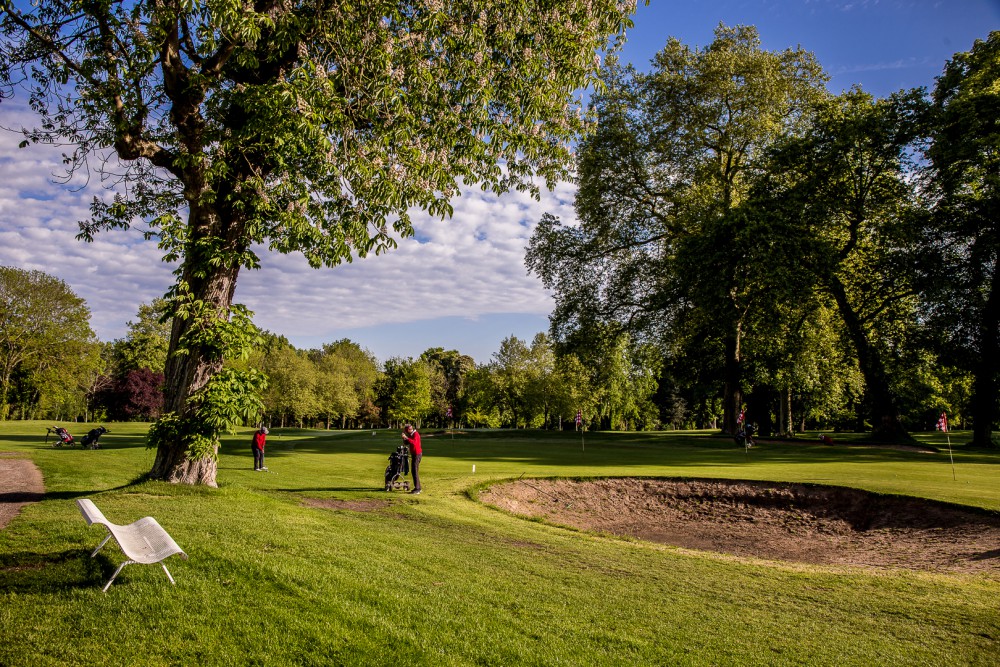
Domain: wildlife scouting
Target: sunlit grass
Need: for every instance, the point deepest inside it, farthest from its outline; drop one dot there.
(440, 579)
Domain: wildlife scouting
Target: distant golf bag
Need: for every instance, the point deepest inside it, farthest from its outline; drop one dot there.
(399, 466)
(744, 435)
(93, 437)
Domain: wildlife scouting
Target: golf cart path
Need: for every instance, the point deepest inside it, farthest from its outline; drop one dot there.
(805, 523)
(20, 483)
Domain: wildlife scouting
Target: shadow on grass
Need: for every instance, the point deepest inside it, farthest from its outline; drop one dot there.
(32, 573)
(21, 497)
(73, 495)
(558, 449)
(332, 489)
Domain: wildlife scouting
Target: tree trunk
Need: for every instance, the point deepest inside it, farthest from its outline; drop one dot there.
(187, 373)
(732, 397)
(759, 404)
(881, 404)
(983, 404)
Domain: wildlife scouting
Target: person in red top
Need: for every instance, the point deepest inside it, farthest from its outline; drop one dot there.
(412, 438)
(257, 447)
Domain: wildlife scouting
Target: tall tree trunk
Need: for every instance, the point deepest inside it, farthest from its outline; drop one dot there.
(187, 373)
(732, 389)
(759, 403)
(788, 403)
(881, 403)
(984, 387)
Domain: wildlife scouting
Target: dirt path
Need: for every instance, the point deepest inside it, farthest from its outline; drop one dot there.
(788, 522)
(20, 483)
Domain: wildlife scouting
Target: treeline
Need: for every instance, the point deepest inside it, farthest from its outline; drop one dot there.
(523, 385)
(55, 368)
(52, 366)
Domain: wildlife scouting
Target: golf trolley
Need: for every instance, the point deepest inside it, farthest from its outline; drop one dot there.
(62, 437)
(744, 435)
(92, 439)
(399, 467)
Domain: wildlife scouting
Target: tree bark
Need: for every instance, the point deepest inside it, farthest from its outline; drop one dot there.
(983, 404)
(881, 404)
(187, 373)
(732, 396)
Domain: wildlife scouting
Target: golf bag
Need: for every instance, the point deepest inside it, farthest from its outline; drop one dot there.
(744, 435)
(92, 438)
(62, 437)
(399, 466)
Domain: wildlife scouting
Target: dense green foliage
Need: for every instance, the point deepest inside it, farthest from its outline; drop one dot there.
(442, 580)
(49, 356)
(521, 386)
(662, 241)
(788, 251)
(960, 268)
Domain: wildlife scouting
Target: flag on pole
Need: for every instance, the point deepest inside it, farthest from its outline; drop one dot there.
(942, 424)
(579, 417)
(742, 417)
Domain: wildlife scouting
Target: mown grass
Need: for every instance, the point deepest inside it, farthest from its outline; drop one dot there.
(439, 579)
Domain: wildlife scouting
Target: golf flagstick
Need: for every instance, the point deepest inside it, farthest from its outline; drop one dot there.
(953, 476)
(579, 425)
(943, 425)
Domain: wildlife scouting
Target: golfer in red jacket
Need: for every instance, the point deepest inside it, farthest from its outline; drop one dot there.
(257, 447)
(412, 438)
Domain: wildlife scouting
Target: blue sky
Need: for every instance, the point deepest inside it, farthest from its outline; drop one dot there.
(460, 283)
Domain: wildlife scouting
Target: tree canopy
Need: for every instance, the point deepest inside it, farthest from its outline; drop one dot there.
(660, 184)
(961, 263)
(45, 339)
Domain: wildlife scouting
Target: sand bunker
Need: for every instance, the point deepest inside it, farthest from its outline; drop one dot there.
(790, 522)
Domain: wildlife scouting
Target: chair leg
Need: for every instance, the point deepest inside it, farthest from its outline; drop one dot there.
(168, 574)
(94, 552)
(120, 568)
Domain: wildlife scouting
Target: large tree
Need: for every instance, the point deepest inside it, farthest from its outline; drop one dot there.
(292, 383)
(44, 333)
(306, 125)
(146, 342)
(836, 205)
(662, 179)
(962, 267)
(450, 370)
(411, 399)
(346, 379)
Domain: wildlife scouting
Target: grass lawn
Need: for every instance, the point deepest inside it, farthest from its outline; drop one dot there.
(440, 579)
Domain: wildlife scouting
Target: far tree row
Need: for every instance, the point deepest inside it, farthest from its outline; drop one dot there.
(54, 367)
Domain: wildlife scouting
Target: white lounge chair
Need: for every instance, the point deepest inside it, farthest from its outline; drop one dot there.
(143, 541)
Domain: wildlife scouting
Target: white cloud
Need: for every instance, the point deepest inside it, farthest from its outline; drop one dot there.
(468, 266)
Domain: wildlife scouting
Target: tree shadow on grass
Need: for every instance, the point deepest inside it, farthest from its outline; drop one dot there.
(30, 573)
(21, 497)
(73, 495)
(334, 489)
